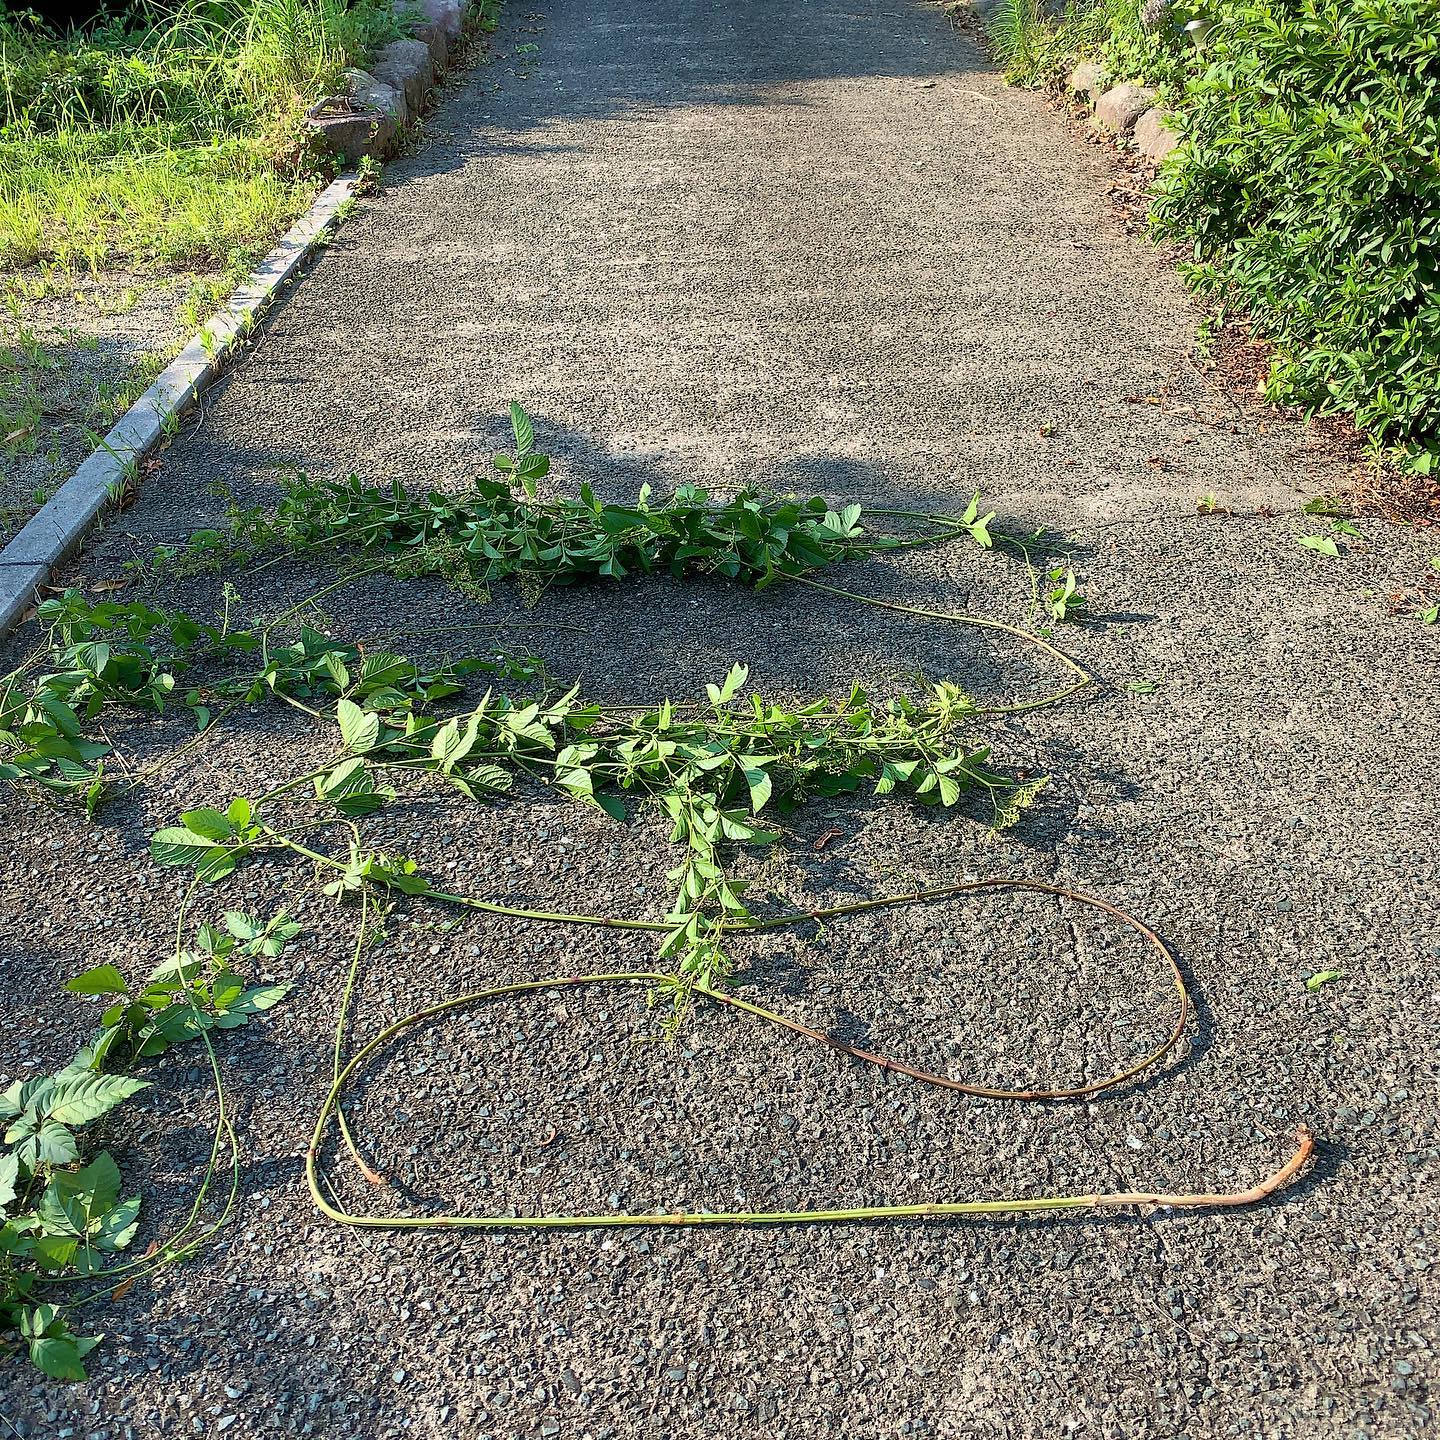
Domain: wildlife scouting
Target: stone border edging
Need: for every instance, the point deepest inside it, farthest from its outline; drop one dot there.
(1127, 111)
(63, 522)
(369, 120)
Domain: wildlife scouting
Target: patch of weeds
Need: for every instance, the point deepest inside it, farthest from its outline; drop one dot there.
(171, 134)
(109, 399)
(24, 360)
(206, 295)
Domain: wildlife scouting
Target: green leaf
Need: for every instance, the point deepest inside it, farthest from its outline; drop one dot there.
(760, 788)
(51, 1144)
(55, 1350)
(523, 431)
(1322, 977)
(352, 789)
(9, 1177)
(243, 927)
(207, 822)
(219, 863)
(98, 980)
(86, 1204)
(58, 1357)
(722, 694)
(1321, 544)
(116, 1228)
(79, 1098)
(576, 781)
(613, 806)
(54, 1252)
(360, 729)
(258, 998)
(450, 746)
(176, 845)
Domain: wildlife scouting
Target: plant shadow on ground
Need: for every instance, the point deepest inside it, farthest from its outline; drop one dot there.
(642, 78)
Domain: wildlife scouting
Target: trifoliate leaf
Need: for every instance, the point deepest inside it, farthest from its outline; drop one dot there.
(359, 729)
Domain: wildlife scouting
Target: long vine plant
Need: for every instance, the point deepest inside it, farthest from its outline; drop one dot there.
(725, 773)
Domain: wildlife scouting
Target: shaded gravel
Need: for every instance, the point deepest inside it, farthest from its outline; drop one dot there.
(693, 244)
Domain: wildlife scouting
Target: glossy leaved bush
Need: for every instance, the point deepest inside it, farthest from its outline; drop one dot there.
(1308, 186)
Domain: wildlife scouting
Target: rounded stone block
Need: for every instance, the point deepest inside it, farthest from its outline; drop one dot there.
(1154, 138)
(368, 93)
(1117, 110)
(406, 66)
(354, 135)
(1087, 79)
(446, 15)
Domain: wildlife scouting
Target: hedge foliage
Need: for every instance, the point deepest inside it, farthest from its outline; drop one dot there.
(1308, 186)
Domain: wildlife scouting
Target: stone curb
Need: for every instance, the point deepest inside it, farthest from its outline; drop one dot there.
(1127, 112)
(367, 121)
(58, 528)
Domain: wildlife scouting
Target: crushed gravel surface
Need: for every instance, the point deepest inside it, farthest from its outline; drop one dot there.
(820, 243)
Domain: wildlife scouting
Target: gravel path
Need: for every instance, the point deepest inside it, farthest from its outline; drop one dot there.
(823, 243)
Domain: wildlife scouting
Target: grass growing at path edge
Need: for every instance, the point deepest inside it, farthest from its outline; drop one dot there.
(172, 137)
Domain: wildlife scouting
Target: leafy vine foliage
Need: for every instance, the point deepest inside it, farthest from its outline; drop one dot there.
(723, 775)
(493, 533)
(132, 655)
(62, 1217)
(711, 776)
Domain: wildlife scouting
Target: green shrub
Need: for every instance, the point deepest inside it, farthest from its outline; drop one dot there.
(1037, 47)
(1308, 185)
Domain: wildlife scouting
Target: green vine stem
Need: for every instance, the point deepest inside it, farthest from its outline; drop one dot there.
(331, 1106)
(1083, 676)
(1114, 1200)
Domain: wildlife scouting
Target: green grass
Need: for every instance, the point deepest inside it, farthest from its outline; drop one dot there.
(71, 201)
(1038, 48)
(173, 139)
